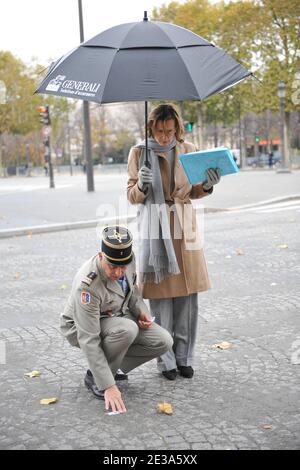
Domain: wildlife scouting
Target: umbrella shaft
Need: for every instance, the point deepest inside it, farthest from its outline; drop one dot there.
(147, 163)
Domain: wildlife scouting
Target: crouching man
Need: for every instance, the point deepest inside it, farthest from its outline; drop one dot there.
(106, 317)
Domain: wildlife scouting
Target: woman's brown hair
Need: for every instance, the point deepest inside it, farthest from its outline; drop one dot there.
(163, 113)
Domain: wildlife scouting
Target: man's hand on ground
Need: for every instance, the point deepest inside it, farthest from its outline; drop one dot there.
(113, 399)
(144, 321)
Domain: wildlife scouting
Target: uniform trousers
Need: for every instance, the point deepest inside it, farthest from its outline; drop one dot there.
(126, 346)
(179, 316)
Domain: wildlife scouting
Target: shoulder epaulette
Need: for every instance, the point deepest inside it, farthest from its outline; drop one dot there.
(89, 278)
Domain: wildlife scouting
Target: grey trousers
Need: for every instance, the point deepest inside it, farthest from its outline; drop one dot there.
(179, 316)
(126, 346)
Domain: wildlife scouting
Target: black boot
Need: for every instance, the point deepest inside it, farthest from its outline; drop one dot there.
(170, 374)
(90, 385)
(120, 375)
(186, 371)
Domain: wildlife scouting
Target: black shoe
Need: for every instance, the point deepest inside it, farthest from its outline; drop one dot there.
(186, 371)
(90, 385)
(120, 376)
(170, 374)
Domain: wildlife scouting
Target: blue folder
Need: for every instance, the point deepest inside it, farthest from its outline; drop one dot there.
(195, 163)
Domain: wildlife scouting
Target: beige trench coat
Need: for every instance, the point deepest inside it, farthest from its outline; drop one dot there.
(193, 275)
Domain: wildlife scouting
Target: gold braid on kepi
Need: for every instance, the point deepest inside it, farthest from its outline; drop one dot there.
(117, 245)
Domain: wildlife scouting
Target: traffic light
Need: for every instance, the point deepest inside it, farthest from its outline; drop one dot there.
(257, 139)
(188, 126)
(44, 115)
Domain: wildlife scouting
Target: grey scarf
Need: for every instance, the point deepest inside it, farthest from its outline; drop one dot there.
(157, 258)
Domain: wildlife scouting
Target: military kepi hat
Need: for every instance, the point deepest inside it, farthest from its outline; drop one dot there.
(117, 245)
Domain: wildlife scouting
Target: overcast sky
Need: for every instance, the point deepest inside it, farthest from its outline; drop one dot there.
(47, 29)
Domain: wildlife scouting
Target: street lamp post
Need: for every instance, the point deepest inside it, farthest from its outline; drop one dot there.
(285, 167)
(2, 160)
(69, 145)
(28, 162)
(86, 121)
(0, 157)
(1, 167)
(243, 154)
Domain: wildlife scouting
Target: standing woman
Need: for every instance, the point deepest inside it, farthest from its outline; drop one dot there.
(171, 261)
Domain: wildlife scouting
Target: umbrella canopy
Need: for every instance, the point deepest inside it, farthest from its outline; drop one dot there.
(143, 61)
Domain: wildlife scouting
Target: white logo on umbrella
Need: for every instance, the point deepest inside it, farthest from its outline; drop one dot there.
(55, 83)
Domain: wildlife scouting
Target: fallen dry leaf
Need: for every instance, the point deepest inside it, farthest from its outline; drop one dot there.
(17, 275)
(240, 252)
(223, 345)
(283, 247)
(164, 408)
(48, 401)
(34, 373)
(267, 426)
(29, 235)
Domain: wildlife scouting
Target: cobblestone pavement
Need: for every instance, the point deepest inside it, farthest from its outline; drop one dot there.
(246, 397)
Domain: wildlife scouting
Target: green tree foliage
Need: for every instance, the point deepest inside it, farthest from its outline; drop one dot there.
(263, 35)
(18, 110)
(200, 16)
(125, 140)
(279, 54)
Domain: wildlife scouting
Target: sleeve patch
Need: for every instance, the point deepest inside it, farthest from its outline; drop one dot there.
(85, 297)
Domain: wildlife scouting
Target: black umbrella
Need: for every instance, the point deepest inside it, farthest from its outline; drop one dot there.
(143, 61)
